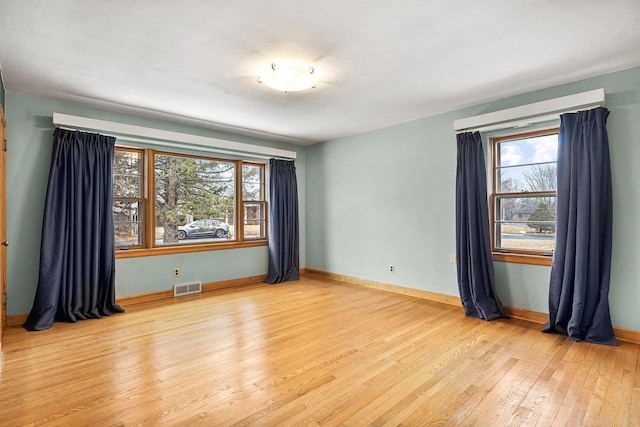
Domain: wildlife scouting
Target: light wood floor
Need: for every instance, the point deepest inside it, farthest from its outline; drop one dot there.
(313, 352)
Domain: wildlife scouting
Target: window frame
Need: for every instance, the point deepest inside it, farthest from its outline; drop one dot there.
(520, 256)
(141, 199)
(262, 201)
(149, 247)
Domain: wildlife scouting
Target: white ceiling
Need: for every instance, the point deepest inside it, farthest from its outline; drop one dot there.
(381, 62)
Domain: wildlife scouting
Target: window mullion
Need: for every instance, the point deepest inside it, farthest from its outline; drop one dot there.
(149, 188)
(239, 220)
(550, 193)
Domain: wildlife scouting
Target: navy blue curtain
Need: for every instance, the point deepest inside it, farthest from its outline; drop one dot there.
(77, 258)
(476, 279)
(581, 269)
(283, 222)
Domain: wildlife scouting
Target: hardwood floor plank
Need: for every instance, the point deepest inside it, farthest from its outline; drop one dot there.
(312, 352)
(634, 410)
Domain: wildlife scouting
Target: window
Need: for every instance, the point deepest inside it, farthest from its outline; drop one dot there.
(524, 197)
(194, 202)
(253, 200)
(128, 200)
(190, 192)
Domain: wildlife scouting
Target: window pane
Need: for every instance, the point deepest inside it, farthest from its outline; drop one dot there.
(526, 151)
(527, 164)
(525, 223)
(127, 173)
(518, 236)
(540, 177)
(252, 185)
(127, 161)
(194, 200)
(127, 223)
(520, 208)
(254, 220)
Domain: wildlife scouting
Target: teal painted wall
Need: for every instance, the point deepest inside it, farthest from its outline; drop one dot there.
(387, 197)
(30, 135)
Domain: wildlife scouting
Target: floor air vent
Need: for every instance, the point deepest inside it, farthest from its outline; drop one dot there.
(187, 288)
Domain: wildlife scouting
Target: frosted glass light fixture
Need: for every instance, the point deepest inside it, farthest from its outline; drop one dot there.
(289, 76)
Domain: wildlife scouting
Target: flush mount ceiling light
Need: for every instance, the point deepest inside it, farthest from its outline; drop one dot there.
(289, 76)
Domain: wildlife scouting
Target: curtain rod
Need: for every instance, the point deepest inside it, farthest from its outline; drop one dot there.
(165, 137)
(537, 112)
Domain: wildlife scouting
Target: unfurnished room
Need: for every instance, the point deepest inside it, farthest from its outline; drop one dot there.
(337, 213)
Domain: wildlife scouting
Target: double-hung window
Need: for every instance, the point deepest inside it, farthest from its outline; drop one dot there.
(128, 197)
(253, 201)
(524, 197)
(186, 202)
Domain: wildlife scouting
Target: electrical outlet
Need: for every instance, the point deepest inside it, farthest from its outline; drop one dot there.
(392, 268)
(176, 272)
(452, 258)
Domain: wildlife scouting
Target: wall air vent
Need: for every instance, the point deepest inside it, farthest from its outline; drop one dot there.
(187, 289)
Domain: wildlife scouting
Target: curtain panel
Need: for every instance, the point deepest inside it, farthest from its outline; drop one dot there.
(476, 278)
(581, 268)
(77, 258)
(283, 222)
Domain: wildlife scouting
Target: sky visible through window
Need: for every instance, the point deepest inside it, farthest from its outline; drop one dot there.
(531, 150)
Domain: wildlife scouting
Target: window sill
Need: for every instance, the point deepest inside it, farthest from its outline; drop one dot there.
(523, 258)
(134, 253)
